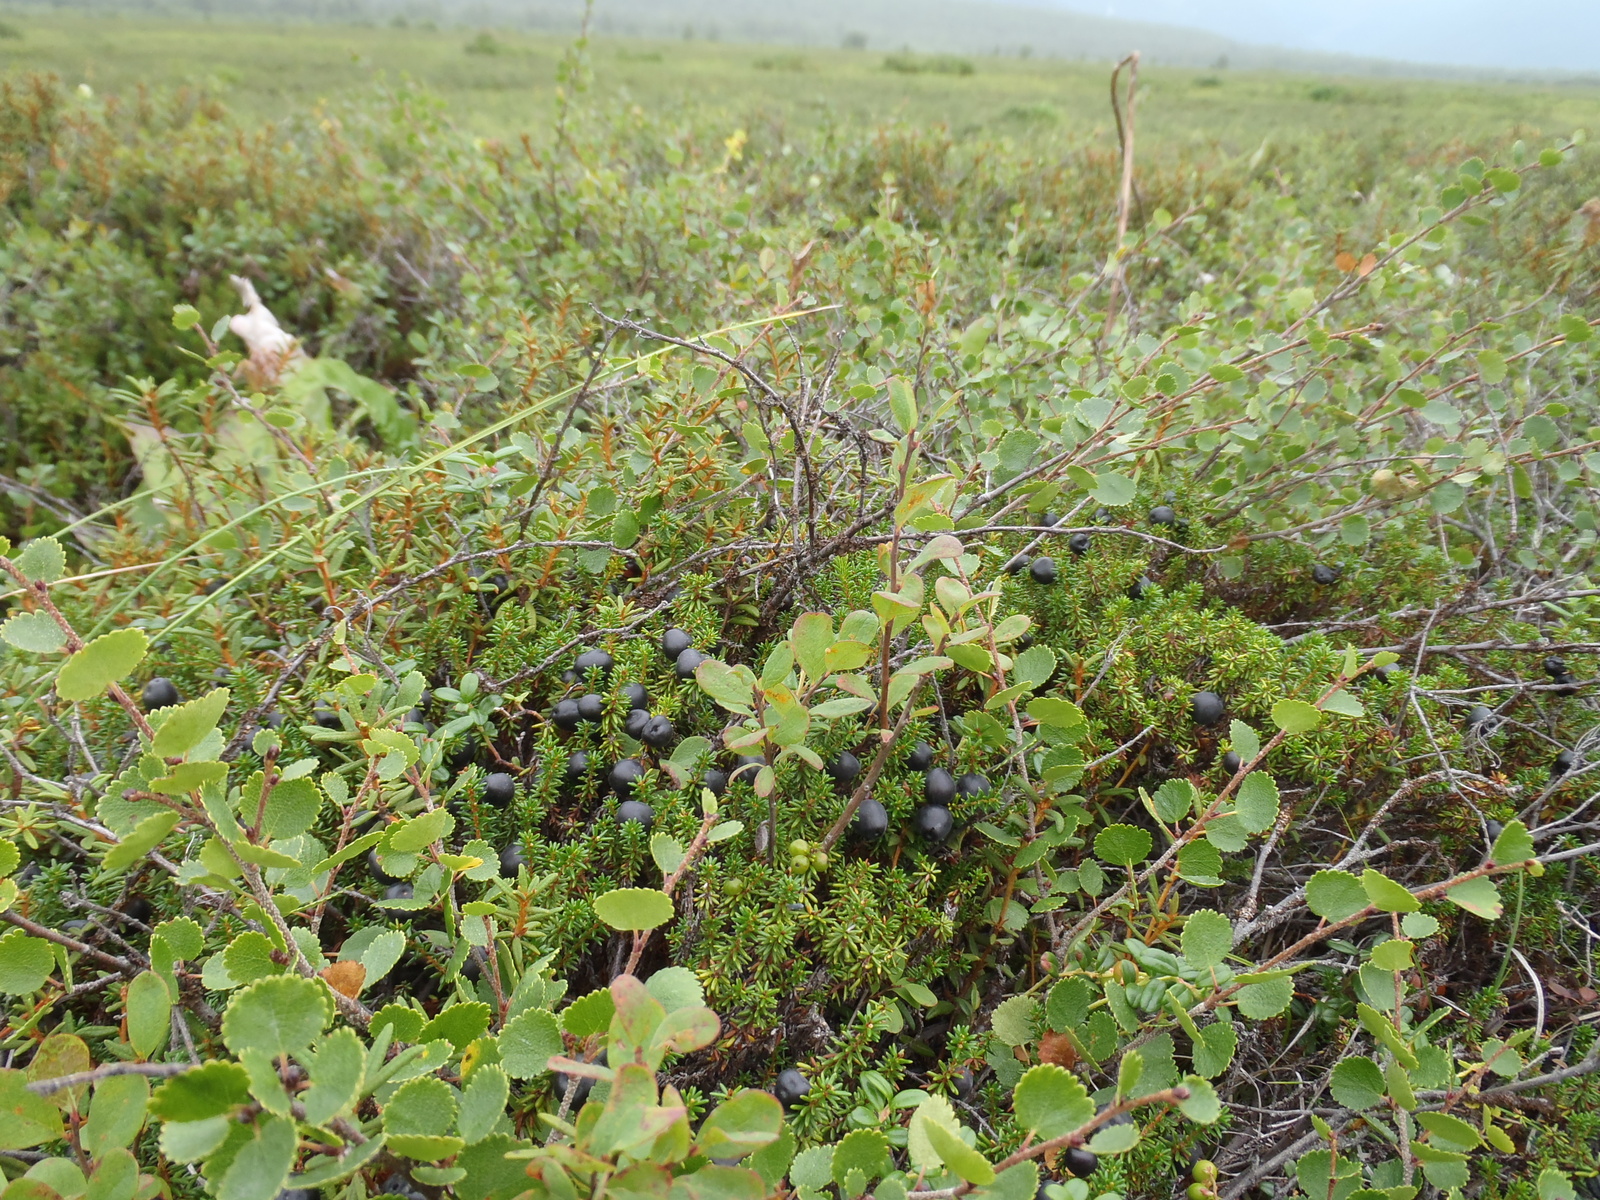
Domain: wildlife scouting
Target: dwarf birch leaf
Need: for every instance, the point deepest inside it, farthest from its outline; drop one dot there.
(633, 908)
(104, 661)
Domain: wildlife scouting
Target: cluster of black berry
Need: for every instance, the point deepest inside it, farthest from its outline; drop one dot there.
(932, 819)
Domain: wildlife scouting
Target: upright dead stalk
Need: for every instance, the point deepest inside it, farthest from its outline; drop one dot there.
(1125, 190)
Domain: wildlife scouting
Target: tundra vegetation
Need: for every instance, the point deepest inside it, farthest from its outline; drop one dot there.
(723, 662)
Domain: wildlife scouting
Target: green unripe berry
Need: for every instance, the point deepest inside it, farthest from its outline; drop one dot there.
(820, 860)
(1205, 1171)
(733, 887)
(800, 863)
(1197, 1191)
(799, 846)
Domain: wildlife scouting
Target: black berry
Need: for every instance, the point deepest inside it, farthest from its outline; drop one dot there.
(939, 787)
(844, 768)
(1553, 666)
(871, 821)
(327, 718)
(1078, 543)
(1566, 685)
(499, 789)
(397, 891)
(1477, 715)
(591, 707)
(791, 1087)
(1495, 829)
(1078, 1161)
(625, 776)
(594, 664)
(633, 724)
(565, 715)
(577, 768)
(636, 810)
(659, 733)
(1231, 763)
(972, 784)
(1564, 762)
(636, 696)
(511, 858)
(674, 642)
(1208, 708)
(160, 692)
(1324, 575)
(1043, 570)
(932, 821)
(1017, 565)
(1163, 514)
(687, 662)
(921, 757)
(715, 780)
(1139, 587)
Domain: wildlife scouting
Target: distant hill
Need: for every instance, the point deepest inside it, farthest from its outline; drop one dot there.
(970, 27)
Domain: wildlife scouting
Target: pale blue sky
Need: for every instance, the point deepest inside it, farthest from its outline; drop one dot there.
(1551, 34)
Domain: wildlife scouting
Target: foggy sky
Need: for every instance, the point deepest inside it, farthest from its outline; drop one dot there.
(1541, 34)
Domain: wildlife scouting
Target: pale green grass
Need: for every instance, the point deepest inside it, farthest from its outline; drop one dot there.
(266, 71)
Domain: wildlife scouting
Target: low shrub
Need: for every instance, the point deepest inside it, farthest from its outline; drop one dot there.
(1107, 739)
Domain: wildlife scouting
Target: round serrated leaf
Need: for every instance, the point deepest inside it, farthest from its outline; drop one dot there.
(1050, 1101)
(1202, 1107)
(1419, 925)
(633, 908)
(25, 963)
(110, 657)
(1114, 1139)
(36, 632)
(1357, 1083)
(1013, 1020)
(589, 1014)
(213, 1089)
(1386, 894)
(1123, 845)
(1265, 999)
(1335, 895)
(279, 1015)
(1295, 716)
(42, 560)
(675, 988)
(426, 1105)
(1257, 802)
(1207, 938)
(527, 1042)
